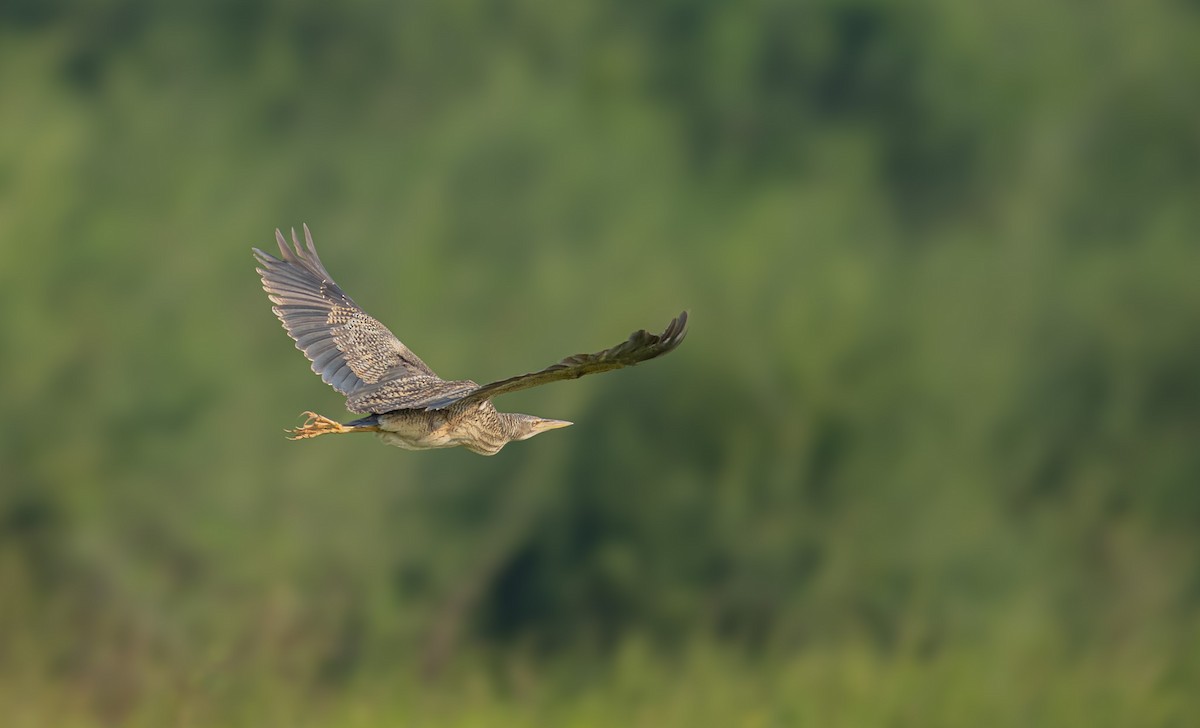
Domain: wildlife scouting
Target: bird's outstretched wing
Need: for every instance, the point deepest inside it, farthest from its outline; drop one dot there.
(642, 345)
(348, 348)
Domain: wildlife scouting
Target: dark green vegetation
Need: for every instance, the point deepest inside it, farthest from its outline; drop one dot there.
(928, 457)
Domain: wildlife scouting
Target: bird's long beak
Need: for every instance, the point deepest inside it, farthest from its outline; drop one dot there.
(543, 424)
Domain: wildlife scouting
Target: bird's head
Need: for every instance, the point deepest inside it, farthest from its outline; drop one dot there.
(523, 427)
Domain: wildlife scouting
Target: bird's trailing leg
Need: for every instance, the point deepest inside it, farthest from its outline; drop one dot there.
(320, 425)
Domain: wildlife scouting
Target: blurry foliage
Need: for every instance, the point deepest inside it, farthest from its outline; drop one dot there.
(939, 404)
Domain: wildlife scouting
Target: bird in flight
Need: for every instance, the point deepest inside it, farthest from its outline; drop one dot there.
(405, 403)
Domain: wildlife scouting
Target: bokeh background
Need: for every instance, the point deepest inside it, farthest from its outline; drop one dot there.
(929, 457)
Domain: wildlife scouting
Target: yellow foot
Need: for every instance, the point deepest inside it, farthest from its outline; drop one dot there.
(317, 425)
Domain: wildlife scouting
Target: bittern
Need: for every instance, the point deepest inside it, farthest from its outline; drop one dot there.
(406, 404)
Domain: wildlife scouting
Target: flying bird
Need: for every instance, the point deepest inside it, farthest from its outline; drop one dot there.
(405, 403)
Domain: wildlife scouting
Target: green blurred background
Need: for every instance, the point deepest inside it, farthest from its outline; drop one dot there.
(929, 456)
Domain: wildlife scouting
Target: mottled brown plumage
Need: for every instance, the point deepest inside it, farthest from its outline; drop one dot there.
(407, 404)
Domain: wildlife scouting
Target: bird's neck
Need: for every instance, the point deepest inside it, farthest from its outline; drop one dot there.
(512, 426)
(488, 431)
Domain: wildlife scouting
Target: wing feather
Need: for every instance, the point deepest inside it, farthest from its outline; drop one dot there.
(641, 346)
(349, 349)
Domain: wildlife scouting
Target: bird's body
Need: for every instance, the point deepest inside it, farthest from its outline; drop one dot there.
(406, 404)
(477, 426)
(431, 429)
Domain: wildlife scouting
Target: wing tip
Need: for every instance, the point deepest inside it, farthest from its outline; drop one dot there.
(283, 246)
(264, 259)
(308, 240)
(671, 337)
(678, 328)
